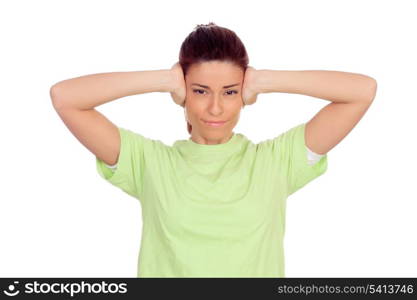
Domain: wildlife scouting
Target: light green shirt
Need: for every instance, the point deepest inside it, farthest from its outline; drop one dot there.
(212, 210)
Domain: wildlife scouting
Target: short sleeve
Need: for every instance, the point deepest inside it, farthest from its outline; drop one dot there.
(113, 167)
(128, 176)
(291, 156)
(313, 157)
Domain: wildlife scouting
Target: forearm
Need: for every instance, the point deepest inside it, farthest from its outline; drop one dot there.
(334, 86)
(89, 91)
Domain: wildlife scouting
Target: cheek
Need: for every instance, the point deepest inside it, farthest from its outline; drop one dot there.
(192, 115)
(196, 109)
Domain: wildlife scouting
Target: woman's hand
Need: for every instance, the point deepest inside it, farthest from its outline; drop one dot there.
(178, 89)
(249, 90)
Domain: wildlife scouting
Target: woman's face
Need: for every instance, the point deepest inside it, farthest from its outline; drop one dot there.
(211, 97)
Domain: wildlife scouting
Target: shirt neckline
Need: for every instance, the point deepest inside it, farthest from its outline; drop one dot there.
(190, 148)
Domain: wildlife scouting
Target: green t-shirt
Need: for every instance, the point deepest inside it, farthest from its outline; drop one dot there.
(212, 210)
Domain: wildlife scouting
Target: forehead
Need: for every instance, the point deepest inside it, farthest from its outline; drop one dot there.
(213, 70)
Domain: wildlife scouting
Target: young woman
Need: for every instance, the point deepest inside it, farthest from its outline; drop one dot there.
(213, 205)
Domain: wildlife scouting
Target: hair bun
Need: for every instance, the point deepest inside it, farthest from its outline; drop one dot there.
(210, 24)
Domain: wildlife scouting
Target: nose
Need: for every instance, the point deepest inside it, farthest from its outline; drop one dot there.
(216, 105)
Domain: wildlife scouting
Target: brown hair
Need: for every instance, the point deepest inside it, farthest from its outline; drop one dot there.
(212, 42)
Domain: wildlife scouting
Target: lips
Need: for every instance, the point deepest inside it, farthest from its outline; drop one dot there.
(214, 123)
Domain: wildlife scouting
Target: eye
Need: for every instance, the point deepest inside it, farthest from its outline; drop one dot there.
(234, 92)
(198, 90)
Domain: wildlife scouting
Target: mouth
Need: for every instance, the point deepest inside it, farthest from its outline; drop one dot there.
(214, 124)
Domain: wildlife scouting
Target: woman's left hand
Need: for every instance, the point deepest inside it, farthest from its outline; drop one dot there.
(249, 90)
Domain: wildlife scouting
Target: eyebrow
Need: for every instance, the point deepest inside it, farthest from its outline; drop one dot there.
(207, 87)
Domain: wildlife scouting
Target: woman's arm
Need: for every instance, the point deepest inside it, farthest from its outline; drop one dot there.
(89, 91)
(75, 100)
(351, 94)
(335, 86)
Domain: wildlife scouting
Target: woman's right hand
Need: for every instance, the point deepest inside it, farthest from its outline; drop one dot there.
(178, 89)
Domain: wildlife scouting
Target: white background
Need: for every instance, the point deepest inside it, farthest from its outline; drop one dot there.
(59, 218)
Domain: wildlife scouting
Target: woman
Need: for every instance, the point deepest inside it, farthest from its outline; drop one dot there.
(212, 205)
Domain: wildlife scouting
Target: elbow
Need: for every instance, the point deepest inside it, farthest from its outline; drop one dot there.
(54, 95)
(371, 89)
(374, 87)
(52, 92)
